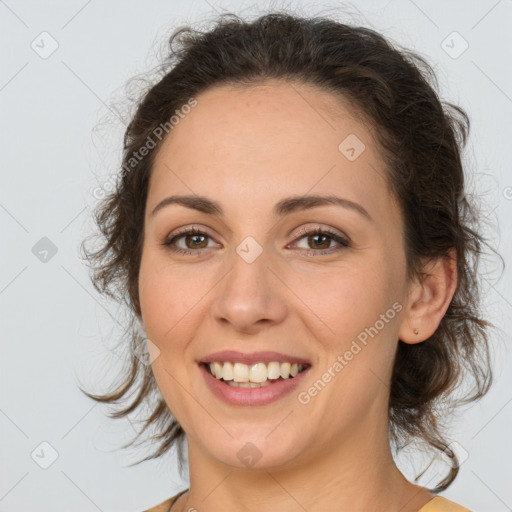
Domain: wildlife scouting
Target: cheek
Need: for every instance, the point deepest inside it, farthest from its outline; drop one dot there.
(347, 300)
(168, 295)
(361, 341)
(166, 305)
(161, 302)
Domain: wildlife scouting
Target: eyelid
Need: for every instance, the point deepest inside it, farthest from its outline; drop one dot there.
(304, 230)
(187, 230)
(183, 230)
(338, 237)
(311, 228)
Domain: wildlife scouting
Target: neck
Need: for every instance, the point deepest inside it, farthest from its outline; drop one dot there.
(354, 476)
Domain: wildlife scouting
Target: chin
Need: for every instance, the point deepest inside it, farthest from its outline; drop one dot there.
(256, 449)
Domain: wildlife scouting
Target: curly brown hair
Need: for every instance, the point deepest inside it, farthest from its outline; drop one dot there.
(421, 139)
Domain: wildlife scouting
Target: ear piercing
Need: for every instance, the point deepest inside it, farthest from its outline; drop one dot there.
(416, 331)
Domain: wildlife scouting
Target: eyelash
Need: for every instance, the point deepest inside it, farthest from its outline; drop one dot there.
(344, 243)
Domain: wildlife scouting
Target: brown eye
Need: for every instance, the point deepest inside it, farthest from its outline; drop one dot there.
(195, 240)
(319, 241)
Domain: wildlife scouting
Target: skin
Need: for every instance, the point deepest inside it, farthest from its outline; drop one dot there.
(248, 148)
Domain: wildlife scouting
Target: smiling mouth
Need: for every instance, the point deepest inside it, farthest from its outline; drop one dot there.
(256, 375)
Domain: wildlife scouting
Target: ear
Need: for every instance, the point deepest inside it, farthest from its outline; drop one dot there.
(428, 299)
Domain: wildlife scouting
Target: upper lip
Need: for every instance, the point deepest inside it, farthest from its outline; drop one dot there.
(252, 358)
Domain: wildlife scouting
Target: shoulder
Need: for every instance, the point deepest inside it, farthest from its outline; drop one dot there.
(165, 505)
(440, 504)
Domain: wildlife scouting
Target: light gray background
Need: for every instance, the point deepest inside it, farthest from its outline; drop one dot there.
(60, 141)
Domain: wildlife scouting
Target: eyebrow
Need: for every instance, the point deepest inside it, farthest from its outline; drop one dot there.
(284, 207)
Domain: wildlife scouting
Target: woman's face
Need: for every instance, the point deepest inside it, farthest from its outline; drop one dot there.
(256, 282)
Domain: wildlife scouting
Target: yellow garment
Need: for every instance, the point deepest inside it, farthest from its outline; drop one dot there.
(436, 504)
(166, 505)
(440, 504)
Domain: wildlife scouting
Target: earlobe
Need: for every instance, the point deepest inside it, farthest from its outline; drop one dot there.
(429, 298)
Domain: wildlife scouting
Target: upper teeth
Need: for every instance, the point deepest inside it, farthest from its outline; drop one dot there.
(258, 372)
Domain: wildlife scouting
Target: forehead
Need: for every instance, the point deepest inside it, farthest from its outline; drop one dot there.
(264, 141)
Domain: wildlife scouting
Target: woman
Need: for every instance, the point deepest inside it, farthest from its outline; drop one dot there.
(291, 233)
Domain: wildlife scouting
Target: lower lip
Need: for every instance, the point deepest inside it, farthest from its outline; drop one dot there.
(251, 396)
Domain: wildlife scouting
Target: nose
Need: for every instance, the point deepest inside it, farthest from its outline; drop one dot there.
(250, 297)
